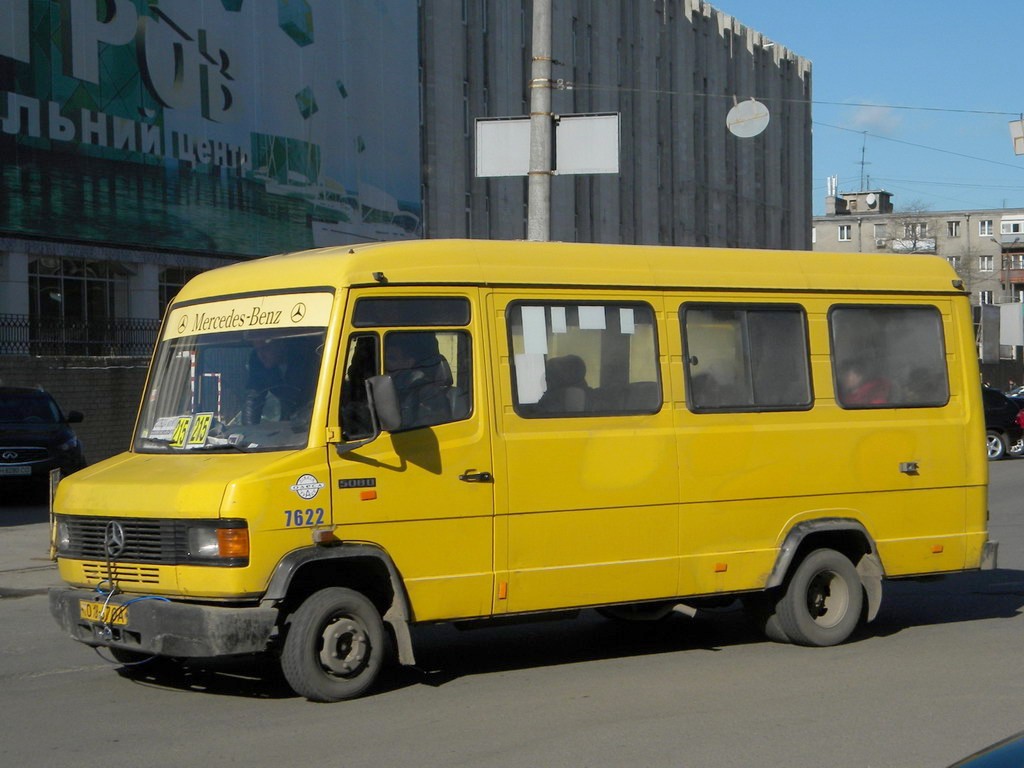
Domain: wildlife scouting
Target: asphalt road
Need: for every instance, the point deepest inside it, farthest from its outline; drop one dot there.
(936, 677)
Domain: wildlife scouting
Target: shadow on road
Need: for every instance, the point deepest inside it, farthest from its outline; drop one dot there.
(445, 653)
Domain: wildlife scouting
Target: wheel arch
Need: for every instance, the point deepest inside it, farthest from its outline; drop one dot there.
(362, 567)
(845, 535)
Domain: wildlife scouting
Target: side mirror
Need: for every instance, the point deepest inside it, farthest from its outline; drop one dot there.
(74, 417)
(384, 405)
(385, 413)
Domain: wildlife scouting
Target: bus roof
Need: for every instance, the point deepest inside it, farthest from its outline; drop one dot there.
(516, 263)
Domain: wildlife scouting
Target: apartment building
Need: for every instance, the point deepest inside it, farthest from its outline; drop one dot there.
(986, 247)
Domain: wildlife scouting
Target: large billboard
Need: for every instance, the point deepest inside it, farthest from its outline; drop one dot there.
(233, 127)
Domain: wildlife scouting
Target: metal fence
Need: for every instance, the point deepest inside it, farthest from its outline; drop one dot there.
(115, 337)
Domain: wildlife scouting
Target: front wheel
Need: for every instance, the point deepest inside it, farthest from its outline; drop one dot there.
(334, 646)
(822, 603)
(996, 444)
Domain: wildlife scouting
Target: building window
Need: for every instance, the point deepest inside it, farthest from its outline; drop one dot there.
(76, 291)
(171, 281)
(75, 302)
(814, 235)
(917, 230)
(986, 264)
(1011, 227)
(985, 297)
(880, 231)
(985, 227)
(954, 262)
(952, 229)
(845, 233)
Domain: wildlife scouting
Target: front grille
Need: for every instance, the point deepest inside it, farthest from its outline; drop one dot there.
(162, 542)
(122, 574)
(23, 455)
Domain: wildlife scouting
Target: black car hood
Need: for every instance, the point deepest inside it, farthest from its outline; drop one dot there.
(43, 435)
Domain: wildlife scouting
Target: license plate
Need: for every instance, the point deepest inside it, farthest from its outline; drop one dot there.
(15, 471)
(102, 612)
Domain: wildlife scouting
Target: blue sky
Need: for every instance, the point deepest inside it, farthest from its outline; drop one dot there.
(926, 88)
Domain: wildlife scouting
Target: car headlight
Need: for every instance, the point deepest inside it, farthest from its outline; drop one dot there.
(63, 536)
(68, 445)
(223, 543)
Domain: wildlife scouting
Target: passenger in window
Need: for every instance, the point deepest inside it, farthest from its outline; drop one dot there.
(422, 378)
(857, 387)
(282, 368)
(567, 389)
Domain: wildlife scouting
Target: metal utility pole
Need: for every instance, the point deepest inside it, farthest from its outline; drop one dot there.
(538, 225)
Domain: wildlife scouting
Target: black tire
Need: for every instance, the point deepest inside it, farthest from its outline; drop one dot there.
(823, 601)
(996, 445)
(334, 646)
(760, 610)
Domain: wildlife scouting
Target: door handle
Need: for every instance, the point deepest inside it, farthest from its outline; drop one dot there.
(472, 476)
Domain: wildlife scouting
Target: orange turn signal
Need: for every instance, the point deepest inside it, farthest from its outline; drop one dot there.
(233, 542)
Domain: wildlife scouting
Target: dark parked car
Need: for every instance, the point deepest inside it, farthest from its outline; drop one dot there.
(35, 437)
(1002, 422)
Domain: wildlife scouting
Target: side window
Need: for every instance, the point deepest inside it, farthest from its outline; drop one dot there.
(888, 357)
(745, 358)
(431, 371)
(361, 362)
(583, 359)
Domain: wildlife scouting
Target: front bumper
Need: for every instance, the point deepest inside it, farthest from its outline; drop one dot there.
(164, 627)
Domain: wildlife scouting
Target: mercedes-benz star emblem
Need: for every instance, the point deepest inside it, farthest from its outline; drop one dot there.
(113, 538)
(182, 325)
(298, 312)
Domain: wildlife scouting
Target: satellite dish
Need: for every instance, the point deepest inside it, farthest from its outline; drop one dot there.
(871, 199)
(747, 119)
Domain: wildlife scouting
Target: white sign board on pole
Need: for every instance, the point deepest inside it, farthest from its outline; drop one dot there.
(1017, 136)
(587, 144)
(583, 144)
(1011, 324)
(503, 146)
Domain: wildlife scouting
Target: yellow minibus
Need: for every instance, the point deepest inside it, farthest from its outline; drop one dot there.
(336, 445)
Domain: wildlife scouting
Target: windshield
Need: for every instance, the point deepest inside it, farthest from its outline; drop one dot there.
(32, 408)
(245, 388)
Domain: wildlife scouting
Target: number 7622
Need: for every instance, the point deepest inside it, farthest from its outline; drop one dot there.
(294, 518)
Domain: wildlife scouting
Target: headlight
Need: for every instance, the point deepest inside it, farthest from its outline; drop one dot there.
(63, 536)
(70, 445)
(225, 543)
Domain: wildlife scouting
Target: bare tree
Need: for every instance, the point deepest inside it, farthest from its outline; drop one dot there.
(909, 229)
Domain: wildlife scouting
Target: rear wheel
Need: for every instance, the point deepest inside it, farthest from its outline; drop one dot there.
(334, 646)
(996, 444)
(823, 601)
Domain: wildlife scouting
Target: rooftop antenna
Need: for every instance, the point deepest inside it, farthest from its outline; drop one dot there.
(863, 162)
